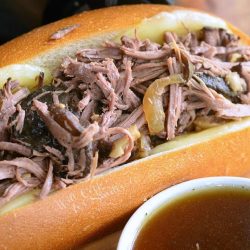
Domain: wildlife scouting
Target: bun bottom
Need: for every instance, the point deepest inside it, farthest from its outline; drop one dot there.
(96, 206)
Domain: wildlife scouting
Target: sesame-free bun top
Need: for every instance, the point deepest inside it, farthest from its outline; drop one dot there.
(33, 47)
(95, 26)
(26, 56)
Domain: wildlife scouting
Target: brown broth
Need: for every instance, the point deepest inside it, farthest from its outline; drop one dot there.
(202, 220)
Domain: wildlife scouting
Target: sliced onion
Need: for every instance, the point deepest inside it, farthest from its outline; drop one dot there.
(119, 145)
(152, 102)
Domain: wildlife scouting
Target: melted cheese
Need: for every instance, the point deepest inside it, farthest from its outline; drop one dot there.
(26, 74)
(187, 140)
(20, 201)
(180, 22)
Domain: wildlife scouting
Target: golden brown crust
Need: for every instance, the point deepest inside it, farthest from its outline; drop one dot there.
(36, 42)
(73, 215)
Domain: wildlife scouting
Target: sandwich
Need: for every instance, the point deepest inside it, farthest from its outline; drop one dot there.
(102, 110)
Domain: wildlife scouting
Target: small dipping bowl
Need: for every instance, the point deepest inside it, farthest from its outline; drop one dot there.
(168, 196)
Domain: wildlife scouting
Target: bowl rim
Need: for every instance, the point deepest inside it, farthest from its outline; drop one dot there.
(136, 221)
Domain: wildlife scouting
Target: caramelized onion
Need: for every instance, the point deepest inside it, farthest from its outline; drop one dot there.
(152, 102)
(121, 144)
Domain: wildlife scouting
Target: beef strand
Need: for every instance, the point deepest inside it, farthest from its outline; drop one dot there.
(63, 133)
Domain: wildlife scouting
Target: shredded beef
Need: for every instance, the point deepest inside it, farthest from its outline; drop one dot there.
(26, 164)
(64, 133)
(7, 172)
(15, 147)
(12, 191)
(63, 32)
(90, 55)
(244, 72)
(218, 84)
(218, 37)
(48, 181)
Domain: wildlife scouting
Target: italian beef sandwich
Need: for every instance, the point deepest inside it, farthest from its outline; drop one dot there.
(102, 110)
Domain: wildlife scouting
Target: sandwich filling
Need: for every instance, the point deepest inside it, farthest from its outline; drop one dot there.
(114, 104)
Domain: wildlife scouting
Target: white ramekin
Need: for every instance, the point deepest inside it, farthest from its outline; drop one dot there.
(137, 220)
